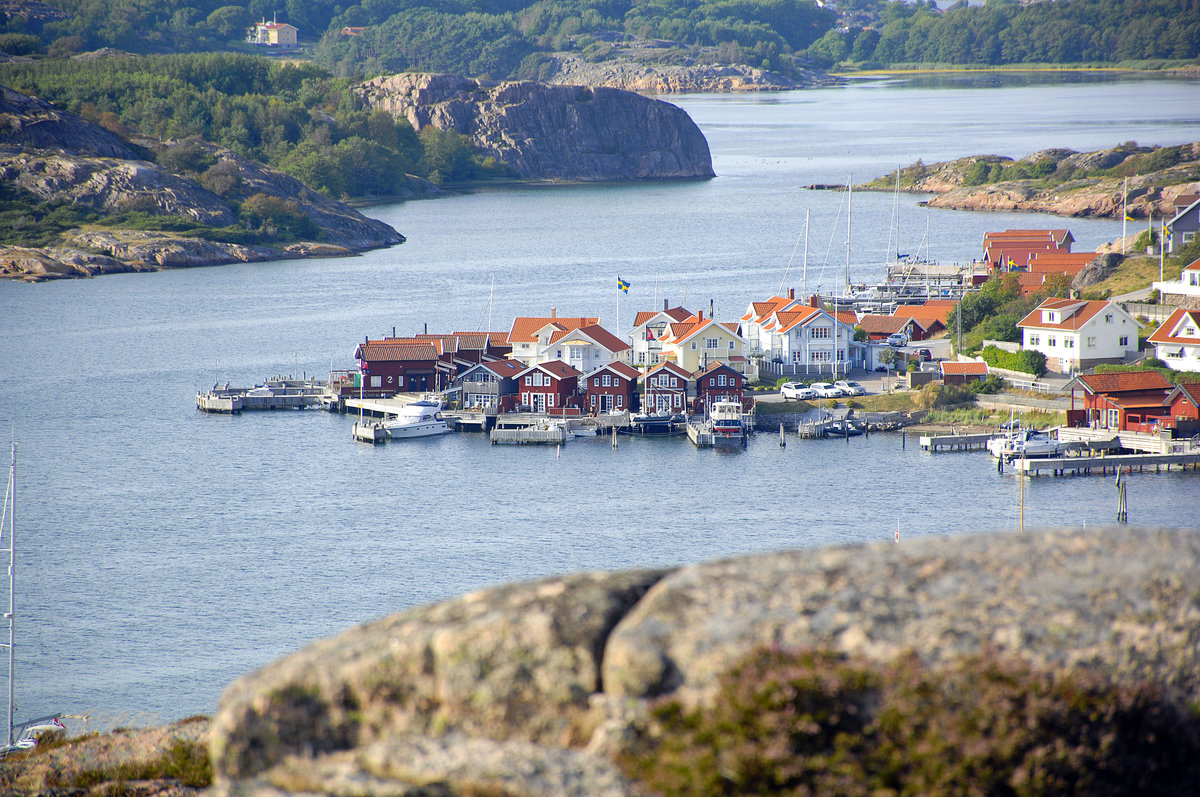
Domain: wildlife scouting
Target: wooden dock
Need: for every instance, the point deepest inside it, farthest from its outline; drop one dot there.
(700, 435)
(955, 442)
(1105, 465)
(531, 435)
(274, 394)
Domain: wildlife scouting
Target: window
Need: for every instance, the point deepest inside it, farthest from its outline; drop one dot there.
(607, 380)
(1091, 341)
(549, 399)
(674, 381)
(721, 380)
(693, 345)
(731, 345)
(1193, 278)
(1068, 343)
(1108, 318)
(376, 381)
(712, 382)
(1034, 339)
(620, 401)
(400, 381)
(1123, 341)
(821, 357)
(710, 343)
(1051, 341)
(641, 358)
(820, 333)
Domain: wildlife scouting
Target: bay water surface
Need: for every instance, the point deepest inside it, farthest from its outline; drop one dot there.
(163, 552)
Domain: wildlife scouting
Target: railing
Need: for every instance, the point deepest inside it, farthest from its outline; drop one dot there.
(1153, 312)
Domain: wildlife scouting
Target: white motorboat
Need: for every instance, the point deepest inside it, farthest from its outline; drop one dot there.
(418, 419)
(1024, 443)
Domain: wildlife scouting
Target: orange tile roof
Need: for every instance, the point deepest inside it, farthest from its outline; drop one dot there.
(1124, 381)
(881, 324)
(789, 319)
(1193, 266)
(1165, 332)
(964, 369)
(760, 311)
(525, 328)
(1075, 313)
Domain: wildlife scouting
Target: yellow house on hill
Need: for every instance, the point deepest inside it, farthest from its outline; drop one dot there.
(273, 34)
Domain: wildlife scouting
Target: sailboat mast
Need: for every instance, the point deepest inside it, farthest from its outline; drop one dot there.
(849, 218)
(804, 278)
(10, 506)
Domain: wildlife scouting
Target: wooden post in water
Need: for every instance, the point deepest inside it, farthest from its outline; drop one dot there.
(1122, 506)
(782, 439)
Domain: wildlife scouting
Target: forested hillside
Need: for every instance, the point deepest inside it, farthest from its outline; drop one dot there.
(295, 118)
(516, 38)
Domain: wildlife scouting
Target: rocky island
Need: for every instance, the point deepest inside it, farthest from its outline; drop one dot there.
(982, 663)
(1059, 181)
(50, 158)
(543, 132)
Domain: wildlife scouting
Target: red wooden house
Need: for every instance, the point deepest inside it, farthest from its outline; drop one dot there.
(398, 365)
(1183, 408)
(955, 373)
(611, 388)
(1129, 401)
(717, 382)
(548, 387)
(665, 388)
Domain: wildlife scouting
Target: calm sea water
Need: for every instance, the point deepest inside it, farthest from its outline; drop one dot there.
(164, 552)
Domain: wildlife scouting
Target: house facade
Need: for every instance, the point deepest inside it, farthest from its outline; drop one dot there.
(1119, 401)
(697, 342)
(649, 326)
(1177, 340)
(1184, 291)
(665, 388)
(1185, 224)
(717, 382)
(583, 348)
(1076, 335)
(273, 34)
(398, 365)
(548, 387)
(486, 386)
(954, 373)
(758, 315)
(530, 335)
(611, 388)
(806, 340)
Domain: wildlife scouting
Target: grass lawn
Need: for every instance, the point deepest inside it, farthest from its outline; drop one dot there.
(1133, 274)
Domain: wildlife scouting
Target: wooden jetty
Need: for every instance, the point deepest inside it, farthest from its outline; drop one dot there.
(1105, 464)
(955, 442)
(273, 394)
(530, 435)
(700, 435)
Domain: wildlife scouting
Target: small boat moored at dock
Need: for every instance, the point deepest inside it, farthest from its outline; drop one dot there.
(416, 419)
(1025, 444)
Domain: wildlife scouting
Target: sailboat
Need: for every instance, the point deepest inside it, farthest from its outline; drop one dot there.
(25, 735)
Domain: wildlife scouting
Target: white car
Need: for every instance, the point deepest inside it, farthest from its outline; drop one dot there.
(797, 390)
(826, 390)
(850, 388)
(897, 339)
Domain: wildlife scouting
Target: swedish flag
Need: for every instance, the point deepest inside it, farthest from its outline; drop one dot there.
(1128, 217)
(622, 285)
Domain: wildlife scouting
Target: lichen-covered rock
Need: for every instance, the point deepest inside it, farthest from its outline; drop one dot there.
(552, 132)
(515, 662)
(534, 689)
(34, 123)
(1123, 603)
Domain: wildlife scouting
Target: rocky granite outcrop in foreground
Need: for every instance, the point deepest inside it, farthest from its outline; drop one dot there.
(544, 132)
(533, 689)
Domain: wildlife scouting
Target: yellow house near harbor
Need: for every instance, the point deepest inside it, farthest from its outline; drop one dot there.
(273, 34)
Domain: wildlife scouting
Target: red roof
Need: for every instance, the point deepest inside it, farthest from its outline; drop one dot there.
(712, 367)
(505, 369)
(678, 370)
(1074, 313)
(556, 368)
(605, 338)
(882, 324)
(620, 369)
(964, 369)
(1193, 266)
(394, 350)
(1123, 382)
(525, 328)
(1177, 322)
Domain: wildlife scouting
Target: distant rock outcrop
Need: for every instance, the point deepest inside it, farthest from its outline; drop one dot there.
(534, 689)
(644, 77)
(57, 157)
(546, 132)
(1080, 192)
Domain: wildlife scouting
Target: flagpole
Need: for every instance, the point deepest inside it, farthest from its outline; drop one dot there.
(618, 305)
(1124, 213)
(1162, 243)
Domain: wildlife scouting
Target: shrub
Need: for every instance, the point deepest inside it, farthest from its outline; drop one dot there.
(818, 722)
(1024, 360)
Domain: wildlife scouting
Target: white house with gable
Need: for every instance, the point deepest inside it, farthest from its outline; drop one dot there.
(1177, 341)
(806, 340)
(585, 348)
(649, 327)
(1185, 290)
(1075, 334)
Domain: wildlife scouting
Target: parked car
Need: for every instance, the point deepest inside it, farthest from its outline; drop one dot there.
(850, 388)
(924, 355)
(897, 339)
(826, 390)
(797, 390)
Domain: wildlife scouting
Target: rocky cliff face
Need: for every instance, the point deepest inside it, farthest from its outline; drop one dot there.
(552, 132)
(57, 157)
(534, 689)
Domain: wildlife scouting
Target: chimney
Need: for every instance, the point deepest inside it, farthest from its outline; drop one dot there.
(393, 332)
(814, 301)
(791, 293)
(699, 315)
(554, 312)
